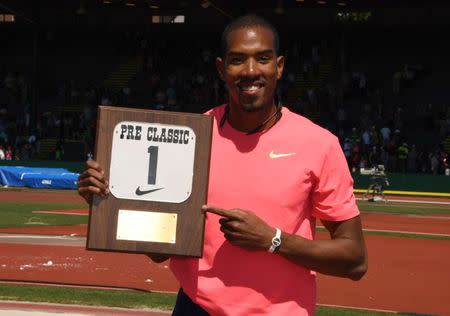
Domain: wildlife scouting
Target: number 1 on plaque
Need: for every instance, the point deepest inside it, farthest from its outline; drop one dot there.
(153, 162)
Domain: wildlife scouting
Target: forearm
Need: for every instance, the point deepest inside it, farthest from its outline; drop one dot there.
(339, 257)
(344, 255)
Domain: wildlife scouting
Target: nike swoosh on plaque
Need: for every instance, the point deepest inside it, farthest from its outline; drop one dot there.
(139, 192)
(273, 155)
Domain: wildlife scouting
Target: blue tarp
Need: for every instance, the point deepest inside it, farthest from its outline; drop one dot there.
(49, 178)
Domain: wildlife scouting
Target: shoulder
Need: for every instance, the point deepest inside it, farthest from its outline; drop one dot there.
(216, 111)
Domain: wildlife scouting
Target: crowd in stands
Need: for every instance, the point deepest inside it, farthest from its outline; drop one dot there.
(174, 77)
(16, 140)
(372, 129)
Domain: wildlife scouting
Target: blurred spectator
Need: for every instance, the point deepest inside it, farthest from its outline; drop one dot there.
(402, 156)
(434, 163)
(23, 88)
(171, 98)
(9, 153)
(396, 82)
(384, 156)
(25, 151)
(360, 83)
(364, 162)
(307, 68)
(11, 132)
(385, 133)
(126, 91)
(374, 157)
(398, 118)
(59, 151)
(27, 114)
(354, 137)
(374, 137)
(412, 159)
(397, 137)
(366, 141)
(340, 133)
(3, 136)
(10, 80)
(86, 116)
(2, 153)
(68, 129)
(356, 155)
(347, 148)
(341, 117)
(74, 93)
(408, 75)
(445, 163)
(160, 98)
(391, 149)
(106, 100)
(423, 160)
(312, 98)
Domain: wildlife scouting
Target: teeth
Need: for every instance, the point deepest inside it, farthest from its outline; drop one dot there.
(250, 88)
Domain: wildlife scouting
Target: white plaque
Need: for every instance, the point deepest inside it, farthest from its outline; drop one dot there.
(152, 162)
(146, 226)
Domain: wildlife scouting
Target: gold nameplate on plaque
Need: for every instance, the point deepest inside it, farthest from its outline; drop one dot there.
(147, 226)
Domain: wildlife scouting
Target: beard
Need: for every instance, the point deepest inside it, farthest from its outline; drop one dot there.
(252, 105)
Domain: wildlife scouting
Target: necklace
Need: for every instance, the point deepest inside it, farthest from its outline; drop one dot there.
(277, 114)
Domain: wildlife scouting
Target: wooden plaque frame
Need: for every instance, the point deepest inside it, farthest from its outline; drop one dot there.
(189, 220)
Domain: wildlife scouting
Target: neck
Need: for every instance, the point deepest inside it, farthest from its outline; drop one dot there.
(252, 122)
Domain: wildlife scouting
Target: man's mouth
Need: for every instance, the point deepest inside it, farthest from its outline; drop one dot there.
(250, 88)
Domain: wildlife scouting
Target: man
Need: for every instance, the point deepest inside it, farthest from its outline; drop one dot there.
(272, 174)
(402, 156)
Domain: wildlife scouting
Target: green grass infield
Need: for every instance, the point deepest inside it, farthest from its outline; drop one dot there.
(403, 208)
(20, 214)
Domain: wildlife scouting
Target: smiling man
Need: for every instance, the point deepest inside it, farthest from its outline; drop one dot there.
(272, 174)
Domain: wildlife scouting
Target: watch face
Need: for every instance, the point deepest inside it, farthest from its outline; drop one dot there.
(276, 242)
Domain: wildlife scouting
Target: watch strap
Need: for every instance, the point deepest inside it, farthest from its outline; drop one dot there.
(276, 241)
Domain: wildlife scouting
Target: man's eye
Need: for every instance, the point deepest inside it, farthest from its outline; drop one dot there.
(236, 61)
(264, 59)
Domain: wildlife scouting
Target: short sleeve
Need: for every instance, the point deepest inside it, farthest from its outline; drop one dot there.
(332, 196)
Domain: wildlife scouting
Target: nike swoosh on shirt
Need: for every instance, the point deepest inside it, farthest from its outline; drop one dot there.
(139, 192)
(273, 155)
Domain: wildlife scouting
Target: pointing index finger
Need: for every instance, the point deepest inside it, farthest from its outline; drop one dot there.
(219, 211)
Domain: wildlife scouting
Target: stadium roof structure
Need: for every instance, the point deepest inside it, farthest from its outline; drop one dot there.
(215, 13)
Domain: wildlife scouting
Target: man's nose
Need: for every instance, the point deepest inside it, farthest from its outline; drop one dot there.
(251, 68)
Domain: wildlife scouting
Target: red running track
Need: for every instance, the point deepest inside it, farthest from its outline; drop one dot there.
(405, 274)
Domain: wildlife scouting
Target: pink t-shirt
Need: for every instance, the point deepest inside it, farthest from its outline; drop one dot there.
(289, 175)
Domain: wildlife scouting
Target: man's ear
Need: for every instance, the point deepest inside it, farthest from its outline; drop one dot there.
(220, 68)
(280, 66)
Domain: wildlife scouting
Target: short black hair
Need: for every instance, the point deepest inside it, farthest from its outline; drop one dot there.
(247, 21)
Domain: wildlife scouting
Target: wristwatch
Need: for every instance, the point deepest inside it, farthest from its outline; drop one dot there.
(276, 241)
